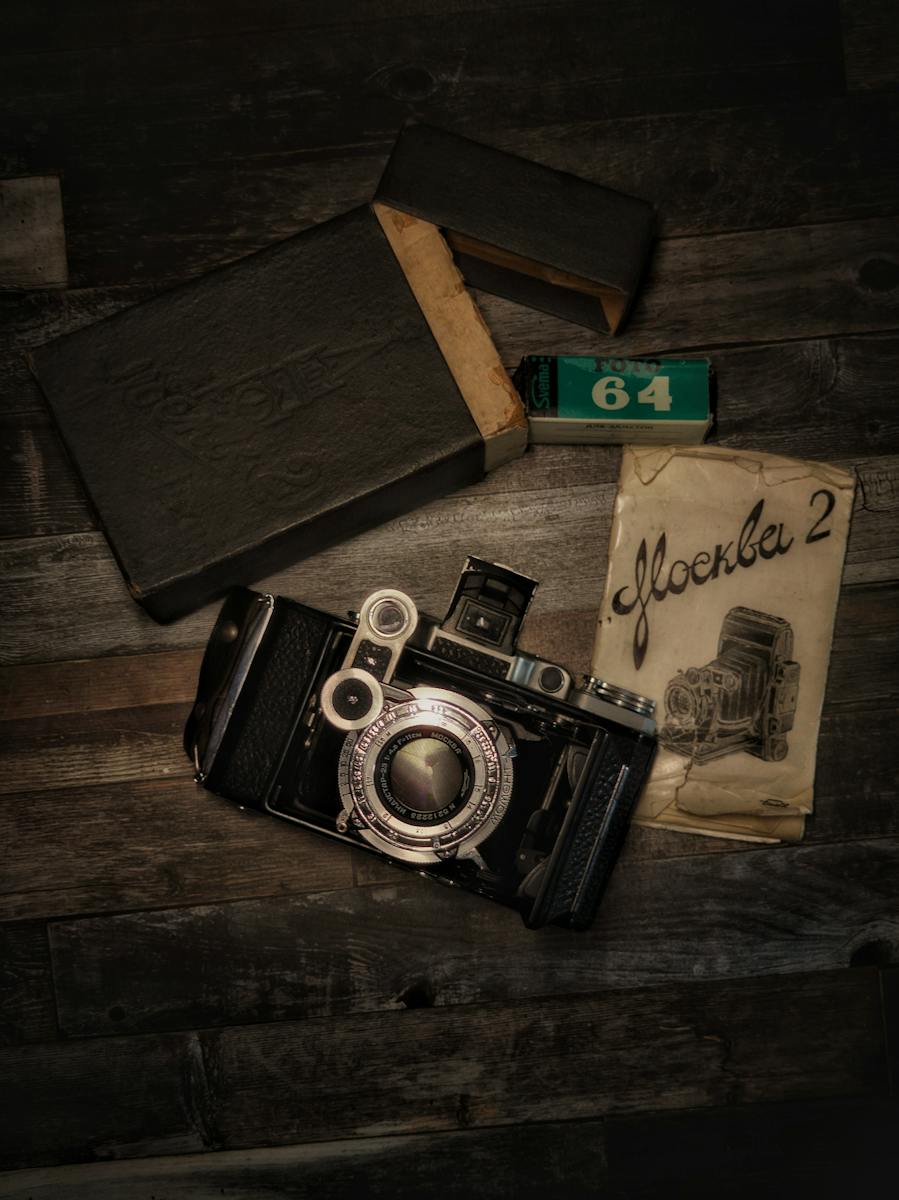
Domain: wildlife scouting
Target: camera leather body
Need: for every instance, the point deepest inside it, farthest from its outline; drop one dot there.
(258, 737)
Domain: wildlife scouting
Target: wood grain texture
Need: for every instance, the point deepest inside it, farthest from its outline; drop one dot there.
(99, 684)
(828, 1147)
(160, 842)
(585, 1056)
(867, 624)
(39, 492)
(131, 743)
(701, 292)
(761, 912)
(43, 579)
(213, 98)
(445, 1069)
(708, 172)
(408, 1167)
(870, 44)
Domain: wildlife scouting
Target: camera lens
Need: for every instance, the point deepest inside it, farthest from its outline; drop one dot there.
(680, 702)
(426, 775)
(389, 618)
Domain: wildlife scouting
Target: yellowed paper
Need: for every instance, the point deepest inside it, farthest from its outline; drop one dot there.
(724, 572)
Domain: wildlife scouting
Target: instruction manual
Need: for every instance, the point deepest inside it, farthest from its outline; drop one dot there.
(724, 573)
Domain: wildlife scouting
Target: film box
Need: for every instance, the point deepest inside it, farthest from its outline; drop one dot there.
(280, 404)
(585, 399)
(522, 230)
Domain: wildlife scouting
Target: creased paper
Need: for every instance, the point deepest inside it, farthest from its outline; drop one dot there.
(724, 571)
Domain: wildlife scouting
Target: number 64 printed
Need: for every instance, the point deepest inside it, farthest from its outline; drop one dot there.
(611, 393)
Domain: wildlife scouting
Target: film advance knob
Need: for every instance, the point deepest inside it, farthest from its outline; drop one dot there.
(604, 690)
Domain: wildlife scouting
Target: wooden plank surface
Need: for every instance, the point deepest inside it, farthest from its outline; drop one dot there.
(867, 624)
(184, 846)
(89, 758)
(826, 1147)
(43, 579)
(429, 1070)
(243, 94)
(27, 1004)
(709, 172)
(185, 980)
(777, 910)
(871, 44)
(150, 842)
(123, 1099)
(701, 292)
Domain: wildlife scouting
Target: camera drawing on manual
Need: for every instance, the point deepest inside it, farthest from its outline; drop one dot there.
(744, 699)
(437, 745)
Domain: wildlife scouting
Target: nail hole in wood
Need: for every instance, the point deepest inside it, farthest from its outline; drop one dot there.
(879, 275)
(872, 954)
(411, 83)
(417, 995)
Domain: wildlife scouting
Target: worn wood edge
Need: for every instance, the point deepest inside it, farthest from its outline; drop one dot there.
(32, 234)
(403, 1165)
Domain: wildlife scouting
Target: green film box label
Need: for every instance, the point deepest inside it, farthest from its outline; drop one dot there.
(586, 399)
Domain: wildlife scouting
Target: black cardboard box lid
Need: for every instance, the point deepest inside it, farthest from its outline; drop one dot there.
(525, 231)
(250, 417)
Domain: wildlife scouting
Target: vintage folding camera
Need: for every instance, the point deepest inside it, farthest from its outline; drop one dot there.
(744, 699)
(437, 745)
